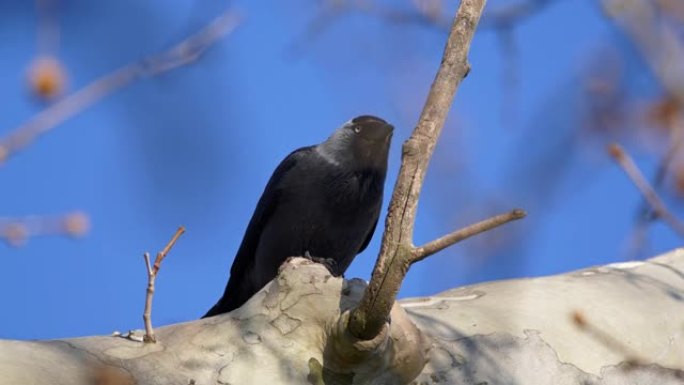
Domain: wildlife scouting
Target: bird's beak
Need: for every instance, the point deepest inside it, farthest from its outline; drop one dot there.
(388, 135)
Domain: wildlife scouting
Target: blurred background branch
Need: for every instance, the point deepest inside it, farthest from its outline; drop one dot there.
(182, 53)
(17, 231)
(650, 195)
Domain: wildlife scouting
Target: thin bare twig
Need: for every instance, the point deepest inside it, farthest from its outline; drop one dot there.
(183, 53)
(397, 251)
(422, 252)
(646, 214)
(651, 196)
(162, 254)
(152, 272)
(147, 313)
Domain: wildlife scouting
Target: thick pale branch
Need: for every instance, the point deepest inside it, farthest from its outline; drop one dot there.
(185, 52)
(422, 252)
(368, 318)
(651, 196)
(286, 335)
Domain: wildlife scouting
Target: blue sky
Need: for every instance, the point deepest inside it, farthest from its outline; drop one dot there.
(195, 147)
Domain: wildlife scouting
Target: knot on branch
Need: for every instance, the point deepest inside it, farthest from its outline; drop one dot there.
(347, 351)
(411, 148)
(395, 356)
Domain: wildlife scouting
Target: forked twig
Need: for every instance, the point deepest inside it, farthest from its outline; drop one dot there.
(152, 271)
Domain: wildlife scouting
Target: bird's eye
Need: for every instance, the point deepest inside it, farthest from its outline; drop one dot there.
(357, 129)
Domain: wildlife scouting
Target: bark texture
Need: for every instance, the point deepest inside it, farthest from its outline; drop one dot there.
(509, 332)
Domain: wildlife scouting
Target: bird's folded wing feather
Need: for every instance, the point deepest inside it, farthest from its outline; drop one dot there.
(264, 209)
(369, 236)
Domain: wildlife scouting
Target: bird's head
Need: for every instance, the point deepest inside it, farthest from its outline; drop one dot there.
(362, 142)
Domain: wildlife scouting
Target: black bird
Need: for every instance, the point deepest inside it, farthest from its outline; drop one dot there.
(321, 202)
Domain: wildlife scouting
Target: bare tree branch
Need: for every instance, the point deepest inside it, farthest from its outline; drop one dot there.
(152, 272)
(397, 250)
(183, 53)
(422, 252)
(651, 196)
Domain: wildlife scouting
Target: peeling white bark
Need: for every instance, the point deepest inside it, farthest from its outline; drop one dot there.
(507, 332)
(521, 331)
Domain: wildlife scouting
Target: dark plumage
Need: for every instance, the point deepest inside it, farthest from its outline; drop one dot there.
(322, 202)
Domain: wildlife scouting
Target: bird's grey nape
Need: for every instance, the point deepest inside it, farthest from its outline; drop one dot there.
(335, 149)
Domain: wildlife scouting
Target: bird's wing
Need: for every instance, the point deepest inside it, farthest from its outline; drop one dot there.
(368, 237)
(237, 289)
(263, 211)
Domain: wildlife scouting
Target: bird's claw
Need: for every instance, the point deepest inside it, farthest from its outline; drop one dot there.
(329, 263)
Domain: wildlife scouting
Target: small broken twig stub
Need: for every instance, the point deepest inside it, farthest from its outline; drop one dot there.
(152, 271)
